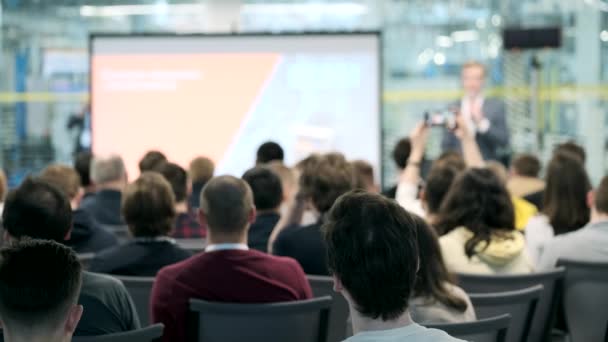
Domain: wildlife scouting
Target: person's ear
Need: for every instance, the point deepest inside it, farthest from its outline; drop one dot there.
(73, 318)
(202, 218)
(338, 287)
(591, 199)
(252, 215)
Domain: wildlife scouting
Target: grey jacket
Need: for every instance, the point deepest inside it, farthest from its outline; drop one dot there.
(494, 143)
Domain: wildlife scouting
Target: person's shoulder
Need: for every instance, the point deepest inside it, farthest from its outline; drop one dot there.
(436, 335)
(101, 285)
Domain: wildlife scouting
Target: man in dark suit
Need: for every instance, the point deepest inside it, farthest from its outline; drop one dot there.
(485, 116)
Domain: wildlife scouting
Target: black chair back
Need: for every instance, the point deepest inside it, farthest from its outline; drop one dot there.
(338, 318)
(148, 334)
(547, 304)
(298, 321)
(493, 329)
(520, 304)
(140, 289)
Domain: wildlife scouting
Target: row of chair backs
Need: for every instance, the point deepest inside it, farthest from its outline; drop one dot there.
(585, 299)
(338, 317)
(140, 289)
(542, 322)
(493, 329)
(300, 321)
(149, 334)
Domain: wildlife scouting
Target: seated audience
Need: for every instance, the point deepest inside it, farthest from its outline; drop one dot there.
(401, 154)
(364, 176)
(86, 235)
(110, 177)
(477, 221)
(148, 206)
(228, 271)
(373, 257)
(585, 244)
(3, 189)
(565, 206)
(186, 223)
(267, 197)
(523, 209)
(524, 181)
(323, 180)
(200, 172)
(39, 304)
(436, 298)
(82, 165)
(38, 210)
(572, 149)
(268, 152)
(151, 160)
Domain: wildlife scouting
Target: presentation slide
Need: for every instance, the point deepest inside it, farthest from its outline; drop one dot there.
(223, 96)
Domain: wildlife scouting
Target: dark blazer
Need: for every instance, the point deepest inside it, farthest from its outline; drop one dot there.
(495, 142)
(306, 245)
(104, 207)
(87, 236)
(260, 231)
(139, 257)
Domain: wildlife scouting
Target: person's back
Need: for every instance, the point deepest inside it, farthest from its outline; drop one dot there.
(589, 243)
(109, 176)
(37, 209)
(40, 304)
(149, 210)
(368, 238)
(227, 271)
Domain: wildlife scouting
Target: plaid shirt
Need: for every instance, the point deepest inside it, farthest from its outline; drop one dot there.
(187, 226)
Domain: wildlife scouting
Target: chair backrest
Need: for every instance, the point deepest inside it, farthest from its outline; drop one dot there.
(85, 259)
(338, 325)
(148, 334)
(139, 288)
(194, 245)
(547, 304)
(585, 299)
(520, 304)
(298, 321)
(486, 330)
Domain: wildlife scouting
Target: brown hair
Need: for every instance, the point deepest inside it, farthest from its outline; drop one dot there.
(527, 165)
(325, 178)
(601, 196)
(201, 170)
(227, 202)
(148, 205)
(364, 174)
(65, 178)
(151, 160)
(573, 149)
(3, 185)
(565, 195)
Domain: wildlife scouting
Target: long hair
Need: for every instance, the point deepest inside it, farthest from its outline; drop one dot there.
(565, 196)
(479, 201)
(433, 275)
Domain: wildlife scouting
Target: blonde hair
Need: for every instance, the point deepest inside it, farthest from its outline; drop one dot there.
(3, 185)
(65, 178)
(201, 170)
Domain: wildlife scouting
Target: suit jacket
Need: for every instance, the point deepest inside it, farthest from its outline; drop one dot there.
(491, 142)
(306, 245)
(104, 207)
(87, 236)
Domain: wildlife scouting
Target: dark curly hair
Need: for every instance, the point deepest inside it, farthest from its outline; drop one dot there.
(479, 201)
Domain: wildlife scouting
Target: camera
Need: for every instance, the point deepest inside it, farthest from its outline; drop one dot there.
(444, 118)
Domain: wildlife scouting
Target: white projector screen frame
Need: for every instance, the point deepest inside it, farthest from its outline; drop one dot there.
(114, 132)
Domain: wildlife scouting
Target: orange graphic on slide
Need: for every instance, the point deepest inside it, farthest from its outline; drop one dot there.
(183, 105)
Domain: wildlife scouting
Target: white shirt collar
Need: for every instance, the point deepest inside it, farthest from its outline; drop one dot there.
(226, 247)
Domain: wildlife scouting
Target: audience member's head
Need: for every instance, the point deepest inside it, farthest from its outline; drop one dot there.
(433, 277)
(148, 206)
(478, 201)
(177, 178)
(151, 160)
(401, 152)
(108, 173)
(452, 158)
(82, 164)
(364, 176)
(266, 187)
(289, 181)
(565, 195)
(599, 203)
(499, 170)
(66, 179)
(324, 178)
(368, 238)
(573, 149)
(438, 182)
(39, 287)
(269, 151)
(227, 209)
(3, 186)
(201, 170)
(526, 165)
(38, 210)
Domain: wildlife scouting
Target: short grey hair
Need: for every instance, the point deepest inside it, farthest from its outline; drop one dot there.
(107, 169)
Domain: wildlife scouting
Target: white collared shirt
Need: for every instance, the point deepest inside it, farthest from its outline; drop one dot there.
(465, 111)
(226, 247)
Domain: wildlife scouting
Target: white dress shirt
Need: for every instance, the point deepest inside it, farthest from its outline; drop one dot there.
(466, 111)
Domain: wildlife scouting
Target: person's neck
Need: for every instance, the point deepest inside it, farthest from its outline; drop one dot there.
(116, 186)
(269, 211)
(181, 207)
(597, 217)
(219, 238)
(362, 324)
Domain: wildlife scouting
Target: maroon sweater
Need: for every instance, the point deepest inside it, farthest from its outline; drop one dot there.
(234, 276)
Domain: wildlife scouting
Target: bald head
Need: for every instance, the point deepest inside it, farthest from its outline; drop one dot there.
(227, 205)
(108, 169)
